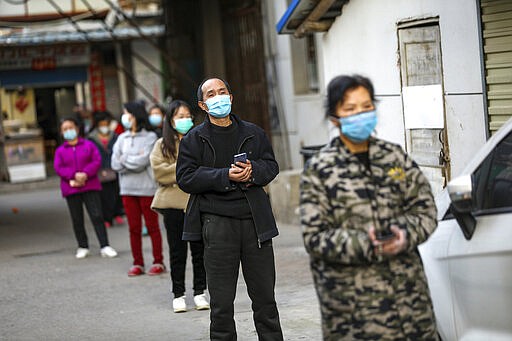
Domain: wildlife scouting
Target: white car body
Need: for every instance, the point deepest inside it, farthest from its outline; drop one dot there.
(471, 280)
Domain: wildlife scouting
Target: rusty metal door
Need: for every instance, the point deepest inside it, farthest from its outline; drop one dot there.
(245, 60)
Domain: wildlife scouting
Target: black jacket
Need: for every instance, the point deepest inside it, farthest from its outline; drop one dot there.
(106, 154)
(196, 175)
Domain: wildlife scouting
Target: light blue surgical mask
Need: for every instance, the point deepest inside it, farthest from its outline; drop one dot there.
(126, 122)
(70, 134)
(183, 125)
(358, 127)
(219, 106)
(155, 120)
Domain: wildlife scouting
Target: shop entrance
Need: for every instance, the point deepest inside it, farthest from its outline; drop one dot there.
(53, 104)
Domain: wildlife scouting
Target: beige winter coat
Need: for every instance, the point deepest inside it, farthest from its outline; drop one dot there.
(168, 194)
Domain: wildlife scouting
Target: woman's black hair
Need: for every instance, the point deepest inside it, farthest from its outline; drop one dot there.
(338, 87)
(155, 106)
(99, 116)
(200, 90)
(138, 110)
(169, 134)
(70, 119)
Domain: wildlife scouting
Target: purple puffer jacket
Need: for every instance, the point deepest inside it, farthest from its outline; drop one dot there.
(82, 157)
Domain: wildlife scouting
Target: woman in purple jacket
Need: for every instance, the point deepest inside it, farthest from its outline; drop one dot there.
(77, 162)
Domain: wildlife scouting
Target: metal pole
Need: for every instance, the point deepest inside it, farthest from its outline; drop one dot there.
(114, 38)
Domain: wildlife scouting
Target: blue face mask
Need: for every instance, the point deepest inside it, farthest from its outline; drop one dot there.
(219, 106)
(125, 121)
(358, 127)
(155, 120)
(183, 125)
(70, 134)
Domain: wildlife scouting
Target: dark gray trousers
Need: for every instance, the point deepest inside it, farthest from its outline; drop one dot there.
(178, 248)
(92, 201)
(230, 242)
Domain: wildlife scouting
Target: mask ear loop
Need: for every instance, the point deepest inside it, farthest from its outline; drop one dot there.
(337, 119)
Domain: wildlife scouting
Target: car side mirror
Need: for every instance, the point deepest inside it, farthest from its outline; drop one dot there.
(460, 190)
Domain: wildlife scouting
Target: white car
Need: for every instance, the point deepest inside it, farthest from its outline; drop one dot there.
(468, 259)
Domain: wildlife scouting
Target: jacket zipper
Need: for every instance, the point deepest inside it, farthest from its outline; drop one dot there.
(373, 198)
(241, 144)
(76, 161)
(255, 229)
(204, 138)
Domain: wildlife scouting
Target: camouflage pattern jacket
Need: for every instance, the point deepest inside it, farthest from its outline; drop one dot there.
(362, 295)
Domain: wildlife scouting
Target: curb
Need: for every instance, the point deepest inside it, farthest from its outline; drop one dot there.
(50, 182)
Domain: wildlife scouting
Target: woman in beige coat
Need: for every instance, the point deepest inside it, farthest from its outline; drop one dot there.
(170, 201)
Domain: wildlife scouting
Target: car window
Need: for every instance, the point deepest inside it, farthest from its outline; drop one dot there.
(492, 180)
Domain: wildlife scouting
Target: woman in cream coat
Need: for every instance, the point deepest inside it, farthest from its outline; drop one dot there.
(171, 201)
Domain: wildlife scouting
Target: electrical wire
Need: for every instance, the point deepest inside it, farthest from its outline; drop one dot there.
(143, 60)
(130, 77)
(164, 53)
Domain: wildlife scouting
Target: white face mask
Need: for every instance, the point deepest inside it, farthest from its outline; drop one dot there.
(104, 130)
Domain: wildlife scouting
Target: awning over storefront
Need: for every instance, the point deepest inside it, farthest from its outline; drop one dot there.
(11, 79)
(40, 37)
(309, 16)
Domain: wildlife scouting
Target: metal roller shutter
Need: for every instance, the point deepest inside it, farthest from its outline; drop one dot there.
(497, 36)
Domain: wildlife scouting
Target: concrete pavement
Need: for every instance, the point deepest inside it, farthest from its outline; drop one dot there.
(46, 294)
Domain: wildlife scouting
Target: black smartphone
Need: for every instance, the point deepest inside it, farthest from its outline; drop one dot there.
(384, 235)
(242, 157)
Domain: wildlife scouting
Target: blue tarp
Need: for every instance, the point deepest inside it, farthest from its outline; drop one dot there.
(287, 16)
(299, 10)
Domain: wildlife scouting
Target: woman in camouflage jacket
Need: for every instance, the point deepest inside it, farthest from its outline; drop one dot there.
(365, 207)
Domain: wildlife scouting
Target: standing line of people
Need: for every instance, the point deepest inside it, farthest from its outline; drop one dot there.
(365, 208)
(107, 171)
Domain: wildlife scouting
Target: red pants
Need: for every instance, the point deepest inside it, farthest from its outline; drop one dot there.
(135, 208)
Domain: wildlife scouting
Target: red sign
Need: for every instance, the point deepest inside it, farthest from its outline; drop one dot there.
(44, 63)
(21, 104)
(97, 84)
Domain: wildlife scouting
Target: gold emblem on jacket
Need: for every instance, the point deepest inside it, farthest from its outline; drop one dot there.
(397, 173)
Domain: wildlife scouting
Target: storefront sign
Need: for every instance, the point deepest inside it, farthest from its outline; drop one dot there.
(44, 57)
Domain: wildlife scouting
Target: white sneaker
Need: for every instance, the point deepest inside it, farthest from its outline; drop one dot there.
(201, 302)
(108, 252)
(179, 305)
(82, 252)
